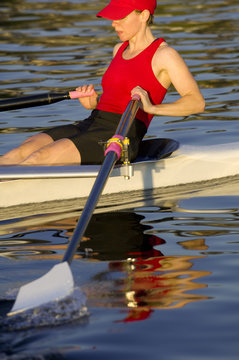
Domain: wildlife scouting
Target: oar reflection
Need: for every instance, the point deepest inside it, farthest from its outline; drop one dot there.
(139, 278)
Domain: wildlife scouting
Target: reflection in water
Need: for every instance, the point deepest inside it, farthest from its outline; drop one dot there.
(160, 283)
(139, 277)
(145, 284)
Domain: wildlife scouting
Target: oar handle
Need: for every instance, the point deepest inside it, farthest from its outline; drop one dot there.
(101, 179)
(40, 99)
(128, 116)
(80, 94)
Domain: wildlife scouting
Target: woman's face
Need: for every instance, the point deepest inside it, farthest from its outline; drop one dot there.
(128, 27)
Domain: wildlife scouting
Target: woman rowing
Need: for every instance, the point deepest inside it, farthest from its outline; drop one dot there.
(142, 64)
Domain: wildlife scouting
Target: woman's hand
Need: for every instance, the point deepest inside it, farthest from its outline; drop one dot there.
(89, 102)
(146, 103)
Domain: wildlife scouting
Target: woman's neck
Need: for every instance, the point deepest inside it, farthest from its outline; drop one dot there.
(138, 43)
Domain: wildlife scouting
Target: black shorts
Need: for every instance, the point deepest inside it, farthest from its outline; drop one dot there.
(99, 127)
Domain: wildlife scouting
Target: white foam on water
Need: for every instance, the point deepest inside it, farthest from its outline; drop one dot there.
(55, 313)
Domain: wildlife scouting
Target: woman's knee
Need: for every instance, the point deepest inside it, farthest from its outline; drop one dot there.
(59, 152)
(38, 140)
(26, 149)
(38, 157)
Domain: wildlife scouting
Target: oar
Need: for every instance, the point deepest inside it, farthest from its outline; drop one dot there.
(58, 282)
(40, 99)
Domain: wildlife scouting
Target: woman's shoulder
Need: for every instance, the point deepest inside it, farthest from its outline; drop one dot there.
(165, 51)
(168, 58)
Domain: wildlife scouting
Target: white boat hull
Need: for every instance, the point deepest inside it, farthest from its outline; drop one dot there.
(188, 164)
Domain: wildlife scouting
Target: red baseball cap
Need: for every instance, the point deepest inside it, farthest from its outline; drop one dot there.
(118, 9)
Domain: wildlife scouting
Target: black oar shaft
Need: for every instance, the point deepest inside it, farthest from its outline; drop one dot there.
(128, 117)
(105, 170)
(90, 206)
(32, 100)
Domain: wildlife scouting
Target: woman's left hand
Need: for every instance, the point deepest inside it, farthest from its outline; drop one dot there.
(146, 103)
(89, 102)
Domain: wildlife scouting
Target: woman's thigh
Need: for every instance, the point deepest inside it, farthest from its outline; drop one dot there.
(23, 151)
(60, 152)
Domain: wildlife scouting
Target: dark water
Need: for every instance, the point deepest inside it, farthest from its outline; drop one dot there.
(161, 282)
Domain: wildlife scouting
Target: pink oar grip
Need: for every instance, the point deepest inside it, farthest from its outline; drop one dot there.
(136, 97)
(114, 146)
(80, 94)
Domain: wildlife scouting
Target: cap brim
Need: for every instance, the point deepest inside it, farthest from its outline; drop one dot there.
(112, 12)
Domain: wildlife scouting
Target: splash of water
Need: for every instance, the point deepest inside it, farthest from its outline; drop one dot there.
(71, 308)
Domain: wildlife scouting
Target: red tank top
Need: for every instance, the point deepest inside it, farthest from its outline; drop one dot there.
(123, 75)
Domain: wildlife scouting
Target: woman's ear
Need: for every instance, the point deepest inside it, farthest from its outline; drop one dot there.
(145, 14)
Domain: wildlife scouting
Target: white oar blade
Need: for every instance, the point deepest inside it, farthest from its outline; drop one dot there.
(54, 285)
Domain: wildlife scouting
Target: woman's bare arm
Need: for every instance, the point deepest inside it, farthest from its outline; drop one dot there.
(169, 67)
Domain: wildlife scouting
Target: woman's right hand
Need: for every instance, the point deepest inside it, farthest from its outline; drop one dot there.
(89, 102)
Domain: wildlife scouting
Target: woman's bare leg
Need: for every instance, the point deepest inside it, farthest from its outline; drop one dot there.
(29, 146)
(59, 152)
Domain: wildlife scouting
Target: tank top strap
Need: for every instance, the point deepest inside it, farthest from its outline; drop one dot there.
(122, 48)
(150, 49)
(153, 46)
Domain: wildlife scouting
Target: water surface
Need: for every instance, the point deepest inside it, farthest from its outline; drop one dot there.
(160, 281)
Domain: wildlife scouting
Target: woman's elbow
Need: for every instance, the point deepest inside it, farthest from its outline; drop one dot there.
(201, 105)
(196, 103)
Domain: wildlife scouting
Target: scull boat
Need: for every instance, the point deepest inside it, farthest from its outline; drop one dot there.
(161, 163)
